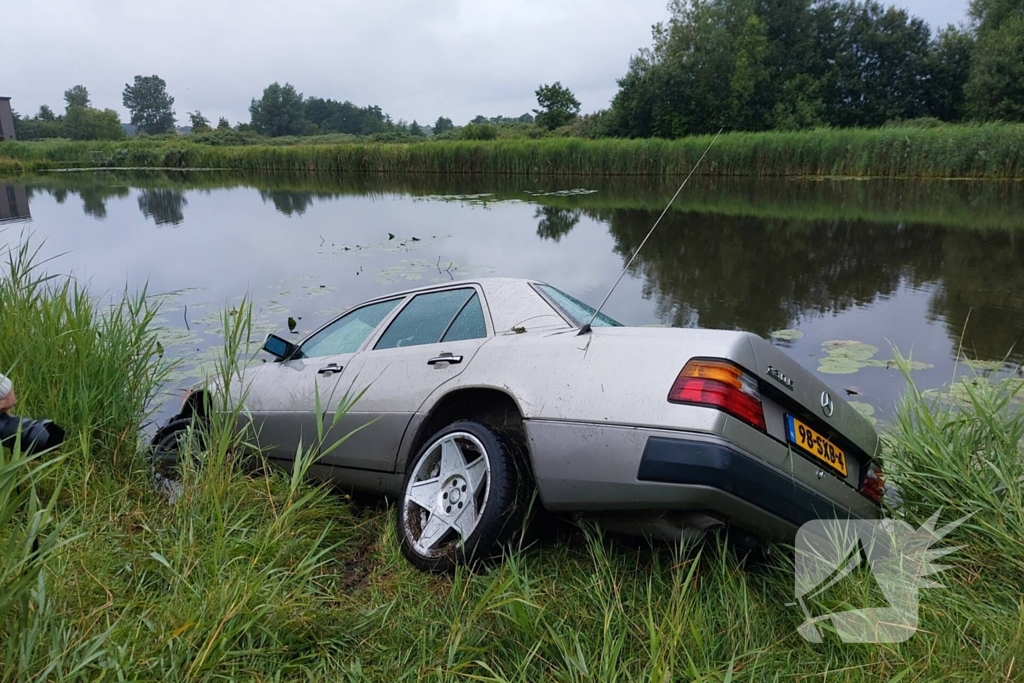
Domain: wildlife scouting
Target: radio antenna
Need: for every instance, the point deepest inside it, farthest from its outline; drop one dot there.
(586, 328)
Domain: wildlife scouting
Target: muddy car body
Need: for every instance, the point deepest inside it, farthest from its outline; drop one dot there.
(478, 391)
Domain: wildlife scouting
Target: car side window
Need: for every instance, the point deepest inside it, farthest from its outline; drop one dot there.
(425, 319)
(347, 333)
(469, 324)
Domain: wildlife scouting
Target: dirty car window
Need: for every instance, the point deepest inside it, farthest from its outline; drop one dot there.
(348, 332)
(424, 319)
(576, 310)
(470, 323)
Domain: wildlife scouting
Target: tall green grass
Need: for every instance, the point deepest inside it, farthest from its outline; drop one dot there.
(253, 577)
(948, 151)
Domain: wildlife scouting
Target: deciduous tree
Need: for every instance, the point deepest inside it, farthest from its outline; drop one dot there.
(949, 69)
(77, 96)
(199, 122)
(149, 104)
(86, 123)
(558, 106)
(995, 88)
(279, 111)
(443, 125)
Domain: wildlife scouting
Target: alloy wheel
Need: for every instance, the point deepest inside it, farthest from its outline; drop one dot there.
(447, 494)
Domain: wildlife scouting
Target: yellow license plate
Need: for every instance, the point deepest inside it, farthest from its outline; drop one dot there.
(806, 439)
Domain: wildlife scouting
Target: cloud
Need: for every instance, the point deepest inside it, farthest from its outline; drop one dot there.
(417, 60)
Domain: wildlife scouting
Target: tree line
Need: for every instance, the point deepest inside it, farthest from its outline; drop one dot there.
(739, 64)
(790, 64)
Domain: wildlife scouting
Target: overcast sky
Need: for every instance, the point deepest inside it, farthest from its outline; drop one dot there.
(417, 59)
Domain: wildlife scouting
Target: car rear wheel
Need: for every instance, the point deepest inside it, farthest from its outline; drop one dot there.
(461, 498)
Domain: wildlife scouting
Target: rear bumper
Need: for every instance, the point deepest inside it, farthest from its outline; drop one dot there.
(719, 467)
(588, 467)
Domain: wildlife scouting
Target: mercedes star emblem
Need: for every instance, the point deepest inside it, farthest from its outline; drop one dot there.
(827, 406)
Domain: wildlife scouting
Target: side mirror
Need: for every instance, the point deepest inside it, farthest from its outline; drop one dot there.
(280, 348)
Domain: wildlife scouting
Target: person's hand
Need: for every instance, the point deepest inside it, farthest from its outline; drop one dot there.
(8, 401)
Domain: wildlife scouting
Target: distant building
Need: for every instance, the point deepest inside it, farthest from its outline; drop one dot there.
(6, 119)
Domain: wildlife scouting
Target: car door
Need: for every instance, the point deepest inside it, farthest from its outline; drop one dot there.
(282, 397)
(429, 342)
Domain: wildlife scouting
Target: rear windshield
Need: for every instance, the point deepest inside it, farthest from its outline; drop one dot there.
(574, 309)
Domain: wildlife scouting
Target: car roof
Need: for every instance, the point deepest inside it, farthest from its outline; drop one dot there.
(485, 282)
(512, 301)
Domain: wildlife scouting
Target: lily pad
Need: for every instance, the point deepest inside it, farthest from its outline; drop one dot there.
(984, 365)
(846, 356)
(865, 409)
(787, 334)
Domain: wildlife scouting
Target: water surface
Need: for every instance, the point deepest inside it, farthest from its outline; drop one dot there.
(840, 272)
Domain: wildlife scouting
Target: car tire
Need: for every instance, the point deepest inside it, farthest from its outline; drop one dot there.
(165, 447)
(460, 507)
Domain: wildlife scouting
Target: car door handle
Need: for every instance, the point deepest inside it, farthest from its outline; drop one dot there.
(445, 358)
(329, 369)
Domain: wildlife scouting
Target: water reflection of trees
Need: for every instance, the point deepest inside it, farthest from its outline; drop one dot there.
(163, 206)
(762, 275)
(288, 202)
(555, 222)
(981, 294)
(94, 198)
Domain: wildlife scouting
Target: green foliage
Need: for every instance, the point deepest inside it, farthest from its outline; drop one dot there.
(86, 123)
(279, 111)
(589, 126)
(757, 66)
(995, 89)
(45, 113)
(558, 106)
(415, 130)
(479, 131)
(149, 104)
(77, 96)
(199, 123)
(222, 124)
(331, 116)
(750, 75)
(944, 151)
(950, 67)
(226, 137)
(47, 328)
(443, 125)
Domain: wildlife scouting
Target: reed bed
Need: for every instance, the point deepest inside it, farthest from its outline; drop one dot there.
(948, 151)
(270, 577)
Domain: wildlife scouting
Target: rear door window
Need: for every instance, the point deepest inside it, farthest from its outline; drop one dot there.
(469, 324)
(427, 318)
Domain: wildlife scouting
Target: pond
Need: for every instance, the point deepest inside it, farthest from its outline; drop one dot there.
(840, 272)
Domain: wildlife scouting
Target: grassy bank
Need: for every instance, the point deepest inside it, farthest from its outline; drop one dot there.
(952, 151)
(269, 578)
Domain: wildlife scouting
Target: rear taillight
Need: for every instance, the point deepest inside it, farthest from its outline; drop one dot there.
(722, 385)
(873, 486)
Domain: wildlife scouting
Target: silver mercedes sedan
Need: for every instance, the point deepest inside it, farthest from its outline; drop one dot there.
(475, 395)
